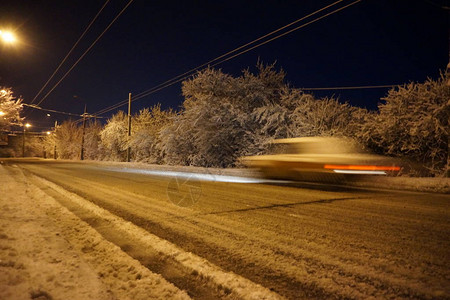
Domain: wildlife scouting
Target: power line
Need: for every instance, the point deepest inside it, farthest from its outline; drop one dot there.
(90, 47)
(71, 50)
(287, 32)
(351, 87)
(252, 42)
(249, 43)
(189, 73)
(56, 111)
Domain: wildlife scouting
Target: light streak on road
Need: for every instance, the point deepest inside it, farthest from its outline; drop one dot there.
(199, 176)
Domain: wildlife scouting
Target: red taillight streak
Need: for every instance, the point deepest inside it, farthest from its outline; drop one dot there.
(362, 167)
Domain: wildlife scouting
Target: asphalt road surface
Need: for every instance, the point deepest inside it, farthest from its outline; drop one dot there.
(301, 241)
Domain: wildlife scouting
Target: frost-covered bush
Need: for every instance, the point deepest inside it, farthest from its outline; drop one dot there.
(412, 122)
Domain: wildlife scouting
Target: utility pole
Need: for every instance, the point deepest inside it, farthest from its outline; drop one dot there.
(82, 137)
(129, 125)
(54, 137)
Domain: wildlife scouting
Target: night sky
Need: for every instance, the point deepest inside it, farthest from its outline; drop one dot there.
(374, 42)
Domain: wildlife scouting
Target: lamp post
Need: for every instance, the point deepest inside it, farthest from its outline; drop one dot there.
(23, 138)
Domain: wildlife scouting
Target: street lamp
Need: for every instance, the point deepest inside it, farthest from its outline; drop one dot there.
(8, 37)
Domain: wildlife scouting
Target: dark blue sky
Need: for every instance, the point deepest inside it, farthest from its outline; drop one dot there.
(374, 42)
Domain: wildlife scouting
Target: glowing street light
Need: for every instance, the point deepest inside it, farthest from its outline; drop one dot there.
(8, 37)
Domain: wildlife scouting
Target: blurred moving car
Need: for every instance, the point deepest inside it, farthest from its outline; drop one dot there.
(324, 159)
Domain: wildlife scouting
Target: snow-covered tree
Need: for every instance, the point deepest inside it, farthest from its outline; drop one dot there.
(145, 133)
(114, 137)
(327, 116)
(413, 122)
(198, 131)
(67, 138)
(92, 140)
(224, 117)
(177, 142)
(264, 106)
(10, 108)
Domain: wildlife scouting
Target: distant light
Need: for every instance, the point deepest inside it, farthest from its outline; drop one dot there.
(27, 125)
(48, 133)
(3, 92)
(2, 113)
(48, 115)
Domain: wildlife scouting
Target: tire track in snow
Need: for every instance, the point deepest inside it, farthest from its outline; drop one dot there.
(228, 283)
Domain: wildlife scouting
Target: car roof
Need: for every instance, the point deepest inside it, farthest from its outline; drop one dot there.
(307, 140)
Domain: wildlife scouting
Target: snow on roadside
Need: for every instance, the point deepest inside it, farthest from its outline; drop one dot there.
(46, 252)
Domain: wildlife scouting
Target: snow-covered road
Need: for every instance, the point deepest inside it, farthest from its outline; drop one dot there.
(249, 240)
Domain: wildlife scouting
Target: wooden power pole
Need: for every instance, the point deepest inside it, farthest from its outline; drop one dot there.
(129, 125)
(82, 137)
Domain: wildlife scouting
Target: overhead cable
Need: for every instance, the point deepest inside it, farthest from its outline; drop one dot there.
(57, 111)
(71, 50)
(90, 47)
(248, 44)
(351, 87)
